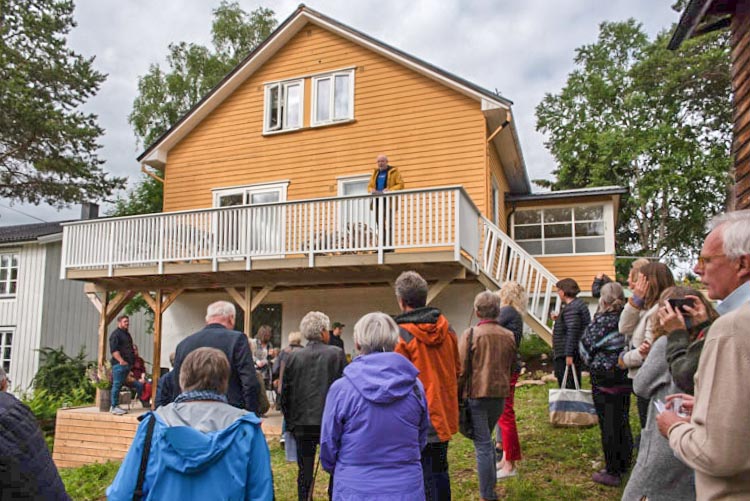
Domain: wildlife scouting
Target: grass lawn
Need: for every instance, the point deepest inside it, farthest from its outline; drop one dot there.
(557, 464)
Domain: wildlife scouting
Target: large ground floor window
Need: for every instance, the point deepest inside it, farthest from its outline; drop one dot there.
(560, 230)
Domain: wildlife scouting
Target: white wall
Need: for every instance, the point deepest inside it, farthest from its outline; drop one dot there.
(345, 304)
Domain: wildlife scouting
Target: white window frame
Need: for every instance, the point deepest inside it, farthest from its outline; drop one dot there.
(4, 331)
(283, 110)
(11, 254)
(247, 190)
(332, 99)
(607, 221)
(495, 193)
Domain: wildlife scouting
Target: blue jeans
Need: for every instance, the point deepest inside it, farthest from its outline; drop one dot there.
(484, 414)
(119, 375)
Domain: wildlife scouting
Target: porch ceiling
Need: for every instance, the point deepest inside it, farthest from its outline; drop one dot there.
(284, 273)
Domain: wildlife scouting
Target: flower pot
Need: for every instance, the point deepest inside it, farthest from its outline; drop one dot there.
(103, 399)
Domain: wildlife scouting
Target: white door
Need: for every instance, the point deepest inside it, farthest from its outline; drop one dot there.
(356, 216)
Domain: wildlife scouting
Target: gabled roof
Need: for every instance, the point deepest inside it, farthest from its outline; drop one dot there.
(28, 232)
(495, 106)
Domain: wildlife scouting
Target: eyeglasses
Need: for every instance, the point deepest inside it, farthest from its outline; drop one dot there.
(704, 260)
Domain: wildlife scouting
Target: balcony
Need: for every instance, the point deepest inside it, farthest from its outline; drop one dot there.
(361, 239)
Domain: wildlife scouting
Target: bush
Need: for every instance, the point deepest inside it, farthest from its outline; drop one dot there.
(533, 347)
(61, 375)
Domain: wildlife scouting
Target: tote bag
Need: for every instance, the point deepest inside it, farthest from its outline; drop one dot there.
(571, 407)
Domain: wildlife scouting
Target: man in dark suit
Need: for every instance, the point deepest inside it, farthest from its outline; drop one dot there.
(218, 333)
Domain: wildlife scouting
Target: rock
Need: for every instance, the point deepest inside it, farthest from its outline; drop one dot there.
(530, 382)
(549, 378)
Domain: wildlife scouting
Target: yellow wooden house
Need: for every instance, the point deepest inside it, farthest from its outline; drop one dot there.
(266, 203)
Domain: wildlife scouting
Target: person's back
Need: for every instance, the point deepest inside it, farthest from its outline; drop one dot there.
(24, 451)
(429, 342)
(200, 446)
(378, 394)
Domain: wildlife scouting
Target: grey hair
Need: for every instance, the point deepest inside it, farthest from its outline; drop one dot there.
(313, 324)
(735, 232)
(612, 297)
(487, 305)
(220, 309)
(375, 332)
(3, 375)
(411, 289)
(295, 337)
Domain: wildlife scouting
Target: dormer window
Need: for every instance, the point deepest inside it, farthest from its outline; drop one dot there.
(333, 97)
(283, 105)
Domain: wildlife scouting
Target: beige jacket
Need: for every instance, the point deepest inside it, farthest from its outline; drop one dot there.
(493, 351)
(717, 440)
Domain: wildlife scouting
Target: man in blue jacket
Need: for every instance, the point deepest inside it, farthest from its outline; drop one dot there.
(243, 384)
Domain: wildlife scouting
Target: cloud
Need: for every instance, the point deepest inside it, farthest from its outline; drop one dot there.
(523, 49)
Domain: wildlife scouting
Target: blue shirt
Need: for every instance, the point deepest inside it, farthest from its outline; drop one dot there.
(381, 182)
(737, 298)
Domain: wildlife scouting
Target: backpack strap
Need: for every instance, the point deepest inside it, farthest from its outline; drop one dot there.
(138, 493)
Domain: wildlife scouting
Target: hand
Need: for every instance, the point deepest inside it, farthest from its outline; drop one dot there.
(386, 190)
(670, 319)
(666, 419)
(644, 348)
(568, 360)
(641, 286)
(688, 402)
(600, 275)
(698, 311)
(553, 315)
(123, 362)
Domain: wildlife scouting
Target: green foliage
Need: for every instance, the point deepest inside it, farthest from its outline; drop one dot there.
(164, 96)
(59, 374)
(658, 122)
(48, 148)
(89, 482)
(144, 198)
(533, 347)
(44, 405)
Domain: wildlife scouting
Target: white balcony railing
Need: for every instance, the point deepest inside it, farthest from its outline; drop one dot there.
(438, 218)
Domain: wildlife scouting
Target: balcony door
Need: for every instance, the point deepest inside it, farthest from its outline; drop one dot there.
(256, 232)
(356, 217)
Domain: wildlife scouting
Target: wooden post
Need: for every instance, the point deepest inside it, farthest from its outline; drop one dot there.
(103, 345)
(158, 308)
(247, 306)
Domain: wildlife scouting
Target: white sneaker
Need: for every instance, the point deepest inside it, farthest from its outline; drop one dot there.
(502, 474)
(117, 411)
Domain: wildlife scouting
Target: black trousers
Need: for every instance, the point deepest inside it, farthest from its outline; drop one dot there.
(437, 481)
(643, 405)
(559, 364)
(307, 444)
(614, 425)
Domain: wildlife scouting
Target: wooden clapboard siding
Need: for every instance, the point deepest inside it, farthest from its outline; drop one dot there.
(496, 170)
(434, 135)
(84, 436)
(741, 89)
(582, 269)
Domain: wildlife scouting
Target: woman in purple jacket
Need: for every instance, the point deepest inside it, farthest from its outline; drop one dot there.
(375, 420)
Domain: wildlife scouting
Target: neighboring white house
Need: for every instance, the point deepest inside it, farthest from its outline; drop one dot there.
(38, 310)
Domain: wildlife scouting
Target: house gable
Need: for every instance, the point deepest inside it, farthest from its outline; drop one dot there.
(432, 133)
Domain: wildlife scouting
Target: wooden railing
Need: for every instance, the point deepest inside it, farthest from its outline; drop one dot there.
(503, 260)
(411, 219)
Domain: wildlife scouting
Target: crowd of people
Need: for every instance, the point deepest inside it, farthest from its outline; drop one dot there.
(384, 420)
(685, 361)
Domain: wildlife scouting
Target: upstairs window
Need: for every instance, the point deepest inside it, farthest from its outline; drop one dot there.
(333, 97)
(563, 230)
(283, 106)
(8, 274)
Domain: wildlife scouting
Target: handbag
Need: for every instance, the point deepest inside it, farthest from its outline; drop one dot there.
(465, 423)
(571, 407)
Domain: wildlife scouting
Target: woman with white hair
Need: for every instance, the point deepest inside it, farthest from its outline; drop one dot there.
(375, 420)
(305, 380)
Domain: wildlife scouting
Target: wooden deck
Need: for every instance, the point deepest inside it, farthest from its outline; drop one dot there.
(83, 435)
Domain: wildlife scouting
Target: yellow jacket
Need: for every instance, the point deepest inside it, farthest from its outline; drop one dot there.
(393, 182)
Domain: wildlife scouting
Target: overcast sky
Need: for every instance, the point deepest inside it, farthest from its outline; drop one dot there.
(522, 48)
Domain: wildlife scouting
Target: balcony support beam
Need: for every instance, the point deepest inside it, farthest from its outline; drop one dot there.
(439, 286)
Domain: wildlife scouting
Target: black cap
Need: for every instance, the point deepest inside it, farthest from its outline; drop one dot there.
(337, 324)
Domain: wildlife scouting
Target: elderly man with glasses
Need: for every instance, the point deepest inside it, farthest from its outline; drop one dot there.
(713, 438)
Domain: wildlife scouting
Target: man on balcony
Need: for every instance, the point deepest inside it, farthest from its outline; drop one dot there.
(385, 178)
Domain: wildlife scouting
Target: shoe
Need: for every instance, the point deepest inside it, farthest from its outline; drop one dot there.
(117, 411)
(607, 479)
(502, 474)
